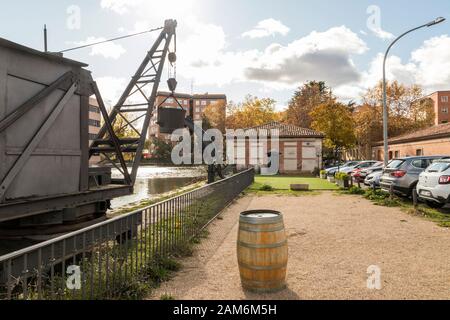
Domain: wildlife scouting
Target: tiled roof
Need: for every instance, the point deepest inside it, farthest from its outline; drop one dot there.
(288, 131)
(435, 132)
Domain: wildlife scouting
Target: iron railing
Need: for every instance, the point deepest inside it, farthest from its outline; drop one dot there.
(106, 259)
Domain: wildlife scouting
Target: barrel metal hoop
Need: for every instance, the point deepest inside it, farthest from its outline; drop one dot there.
(259, 221)
(263, 268)
(245, 219)
(262, 246)
(255, 230)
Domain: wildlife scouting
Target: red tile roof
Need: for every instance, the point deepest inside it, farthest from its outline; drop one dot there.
(435, 132)
(288, 131)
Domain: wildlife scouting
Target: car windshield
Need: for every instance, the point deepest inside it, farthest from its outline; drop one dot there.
(438, 167)
(350, 164)
(365, 165)
(394, 164)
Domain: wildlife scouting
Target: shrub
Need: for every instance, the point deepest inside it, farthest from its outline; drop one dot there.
(323, 172)
(342, 176)
(266, 187)
(377, 195)
(356, 190)
(316, 172)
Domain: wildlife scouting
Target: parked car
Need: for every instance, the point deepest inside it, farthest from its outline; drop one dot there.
(363, 169)
(403, 174)
(373, 179)
(433, 187)
(333, 170)
(360, 165)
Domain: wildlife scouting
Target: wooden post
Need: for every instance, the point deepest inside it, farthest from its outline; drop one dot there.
(415, 199)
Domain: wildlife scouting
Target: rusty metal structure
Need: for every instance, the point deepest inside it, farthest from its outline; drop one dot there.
(45, 178)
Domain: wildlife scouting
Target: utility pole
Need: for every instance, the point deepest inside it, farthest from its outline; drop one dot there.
(45, 38)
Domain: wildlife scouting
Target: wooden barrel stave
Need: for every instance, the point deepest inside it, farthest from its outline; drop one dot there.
(262, 254)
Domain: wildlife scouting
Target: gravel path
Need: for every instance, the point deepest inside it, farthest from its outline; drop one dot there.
(333, 239)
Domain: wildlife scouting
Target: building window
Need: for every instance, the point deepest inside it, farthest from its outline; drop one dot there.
(390, 155)
(397, 154)
(197, 103)
(94, 109)
(198, 110)
(444, 122)
(419, 152)
(170, 100)
(444, 99)
(204, 103)
(92, 136)
(94, 123)
(444, 110)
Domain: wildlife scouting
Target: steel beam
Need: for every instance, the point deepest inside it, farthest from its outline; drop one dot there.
(112, 135)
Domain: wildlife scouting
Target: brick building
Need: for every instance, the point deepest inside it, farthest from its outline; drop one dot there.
(441, 101)
(428, 142)
(194, 105)
(95, 119)
(300, 149)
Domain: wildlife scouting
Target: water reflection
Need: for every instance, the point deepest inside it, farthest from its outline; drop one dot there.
(153, 181)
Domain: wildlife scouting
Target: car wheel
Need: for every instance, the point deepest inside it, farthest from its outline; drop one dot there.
(435, 205)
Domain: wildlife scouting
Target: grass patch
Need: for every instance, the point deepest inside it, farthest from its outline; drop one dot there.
(277, 183)
(167, 297)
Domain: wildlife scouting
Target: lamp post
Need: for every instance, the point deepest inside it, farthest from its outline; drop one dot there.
(385, 109)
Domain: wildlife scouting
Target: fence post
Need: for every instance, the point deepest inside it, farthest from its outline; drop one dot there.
(391, 191)
(415, 199)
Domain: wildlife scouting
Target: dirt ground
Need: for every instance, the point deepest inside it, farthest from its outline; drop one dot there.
(333, 239)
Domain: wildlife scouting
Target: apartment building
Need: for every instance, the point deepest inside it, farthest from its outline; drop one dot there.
(94, 124)
(194, 105)
(441, 100)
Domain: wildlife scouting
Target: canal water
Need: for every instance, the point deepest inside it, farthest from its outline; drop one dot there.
(154, 181)
(150, 182)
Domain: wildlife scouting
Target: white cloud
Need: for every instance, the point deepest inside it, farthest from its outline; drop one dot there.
(111, 88)
(107, 50)
(119, 6)
(266, 28)
(433, 63)
(318, 56)
(154, 11)
(382, 34)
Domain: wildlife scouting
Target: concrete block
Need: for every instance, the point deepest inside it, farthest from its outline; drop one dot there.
(300, 187)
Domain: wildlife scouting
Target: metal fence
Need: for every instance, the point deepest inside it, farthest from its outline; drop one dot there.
(106, 259)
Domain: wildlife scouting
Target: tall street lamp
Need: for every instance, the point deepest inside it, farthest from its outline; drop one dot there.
(385, 109)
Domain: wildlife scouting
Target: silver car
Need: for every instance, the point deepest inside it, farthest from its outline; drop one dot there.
(361, 165)
(403, 174)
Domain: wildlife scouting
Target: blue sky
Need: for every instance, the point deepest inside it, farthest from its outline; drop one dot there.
(259, 47)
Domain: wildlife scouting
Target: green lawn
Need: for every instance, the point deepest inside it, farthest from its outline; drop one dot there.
(284, 183)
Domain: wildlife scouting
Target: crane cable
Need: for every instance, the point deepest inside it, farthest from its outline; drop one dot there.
(110, 40)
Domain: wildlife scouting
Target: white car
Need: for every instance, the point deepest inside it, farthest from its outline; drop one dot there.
(373, 179)
(433, 187)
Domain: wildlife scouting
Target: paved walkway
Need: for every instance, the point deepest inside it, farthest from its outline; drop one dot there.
(333, 239)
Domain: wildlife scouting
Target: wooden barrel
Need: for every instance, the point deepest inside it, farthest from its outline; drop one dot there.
(262, 251)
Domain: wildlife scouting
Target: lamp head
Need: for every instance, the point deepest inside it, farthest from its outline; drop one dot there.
(436, 21)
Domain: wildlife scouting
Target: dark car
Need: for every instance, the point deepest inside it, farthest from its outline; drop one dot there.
(403, 174)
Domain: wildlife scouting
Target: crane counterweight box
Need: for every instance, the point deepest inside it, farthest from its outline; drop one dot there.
(57, 161)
